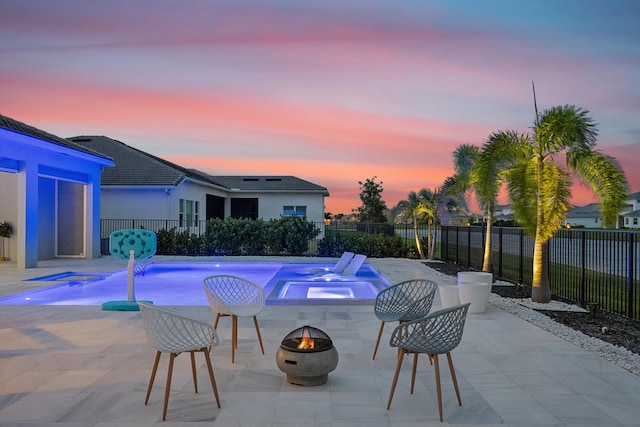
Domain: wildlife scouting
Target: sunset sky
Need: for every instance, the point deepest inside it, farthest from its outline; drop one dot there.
(333, 92)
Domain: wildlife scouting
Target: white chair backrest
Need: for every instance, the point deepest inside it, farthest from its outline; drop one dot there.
(171, 332)
(233, 295)
(354, 265)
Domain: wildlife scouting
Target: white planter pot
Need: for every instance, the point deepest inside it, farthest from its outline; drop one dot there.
(476, 293)
(475, 276)
(449, 295)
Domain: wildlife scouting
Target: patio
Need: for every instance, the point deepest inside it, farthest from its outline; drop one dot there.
(80, 366)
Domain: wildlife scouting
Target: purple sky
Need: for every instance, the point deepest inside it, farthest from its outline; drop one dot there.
(334, 92)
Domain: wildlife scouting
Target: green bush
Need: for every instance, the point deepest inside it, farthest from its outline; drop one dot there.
(371, 245)
(291, 235)
(232, 236)
(174, 242)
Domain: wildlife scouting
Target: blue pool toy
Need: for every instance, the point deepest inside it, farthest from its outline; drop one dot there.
(131, 244)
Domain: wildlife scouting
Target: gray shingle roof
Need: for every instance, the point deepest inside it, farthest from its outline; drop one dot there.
(137, 168)
(269, 183)
(25, 129)
(589, 211)
(632, 214)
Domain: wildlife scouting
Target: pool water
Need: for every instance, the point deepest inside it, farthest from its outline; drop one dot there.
(181, 284)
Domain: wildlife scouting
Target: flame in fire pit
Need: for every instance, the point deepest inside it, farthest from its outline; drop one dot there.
(306, 343)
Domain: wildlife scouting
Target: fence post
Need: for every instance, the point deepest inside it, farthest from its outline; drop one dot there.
(457, 241)
(521, 258)
(630, 272)
(583, 268)
(469, 246)
(500, 251)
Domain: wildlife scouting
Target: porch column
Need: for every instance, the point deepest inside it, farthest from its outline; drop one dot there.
(27, 223)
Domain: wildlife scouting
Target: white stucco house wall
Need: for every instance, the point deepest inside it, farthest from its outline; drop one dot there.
(50, 193)
(142, 187)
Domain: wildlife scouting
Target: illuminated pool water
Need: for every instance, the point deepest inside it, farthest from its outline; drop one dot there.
(181, 284)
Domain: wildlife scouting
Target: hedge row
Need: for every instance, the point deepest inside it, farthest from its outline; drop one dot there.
(231, 236)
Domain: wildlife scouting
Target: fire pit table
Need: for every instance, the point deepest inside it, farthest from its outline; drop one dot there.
(307, 355)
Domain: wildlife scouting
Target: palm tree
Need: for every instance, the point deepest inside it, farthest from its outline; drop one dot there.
(431, 200)
(539, 186)
(412, 209)
(481, 171)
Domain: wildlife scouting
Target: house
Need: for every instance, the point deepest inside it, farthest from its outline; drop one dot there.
(584, 216)
(50, 193)
(142, 186)
(631, 213)
(589, 216)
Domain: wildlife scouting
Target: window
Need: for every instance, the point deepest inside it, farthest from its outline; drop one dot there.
(188, 213)
(295, 211)
(244, 208)
(635, 221)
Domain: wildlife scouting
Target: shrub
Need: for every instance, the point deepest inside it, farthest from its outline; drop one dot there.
(291, 235)
(371, 245)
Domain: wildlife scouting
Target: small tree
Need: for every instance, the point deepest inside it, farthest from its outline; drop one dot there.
(6, 230)
(373, 207)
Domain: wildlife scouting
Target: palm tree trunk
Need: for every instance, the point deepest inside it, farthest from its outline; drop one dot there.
(486, 265)
(417, 237)
(432, 246)
(540, 288)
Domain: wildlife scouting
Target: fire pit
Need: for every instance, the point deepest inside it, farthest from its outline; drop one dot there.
(307, 355)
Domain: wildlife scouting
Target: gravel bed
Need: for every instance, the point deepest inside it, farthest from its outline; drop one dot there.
(618, 355)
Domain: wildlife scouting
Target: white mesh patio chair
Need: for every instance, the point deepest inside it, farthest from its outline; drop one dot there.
(236, 297)
(170, 332)
(402, 302)
(438, 333)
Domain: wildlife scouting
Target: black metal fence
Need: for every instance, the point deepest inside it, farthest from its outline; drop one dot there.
(586, 267)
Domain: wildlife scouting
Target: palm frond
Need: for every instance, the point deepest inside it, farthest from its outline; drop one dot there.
(606, 178)
(565, 128)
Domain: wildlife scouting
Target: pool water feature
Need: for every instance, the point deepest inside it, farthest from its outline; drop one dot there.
(176, 283)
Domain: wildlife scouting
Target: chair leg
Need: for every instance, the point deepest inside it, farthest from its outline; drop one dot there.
(453, 378)
(395, 377)
(414, 370)
(168, 387)
(193, 371)
(215, 324)
(255, 322)
(375, 349)
(211, 376)
(153, 376)
(234, 337)
(436, 367)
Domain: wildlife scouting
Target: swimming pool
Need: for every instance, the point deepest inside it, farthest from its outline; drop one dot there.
(176, 283)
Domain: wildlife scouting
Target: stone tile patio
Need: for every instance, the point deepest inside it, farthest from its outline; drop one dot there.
(80, 366)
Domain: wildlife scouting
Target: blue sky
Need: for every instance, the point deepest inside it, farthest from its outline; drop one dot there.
(334, 92)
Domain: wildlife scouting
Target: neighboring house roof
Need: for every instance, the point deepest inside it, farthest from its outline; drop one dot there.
(634, 196)
(634, 214)
(269, 184)
(24, 129)
(137, 168)
(591, 210)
